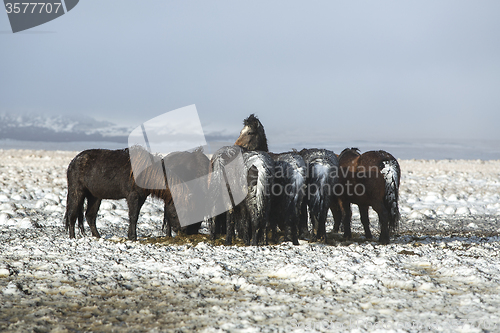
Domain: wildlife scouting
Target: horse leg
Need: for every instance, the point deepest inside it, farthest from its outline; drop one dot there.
(287, 223)
(193, 229)
(363, 212)
(266, 225)
(322, 224)
(259, 227)
(134, 202)
(167, 226)
(303, 229)
(245, 223)
(347, 215)
(273, 226)
(213, 228)
(383, 218)
(315, 227)
(229, 226)
(294, 221)
(80, 221)
(337, 214)
(93, 204)
(257, 231)
(217, 225)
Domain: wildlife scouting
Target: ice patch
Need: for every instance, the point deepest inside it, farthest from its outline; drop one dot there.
(4, 272)
(462, 211)
(450, 210)
(12, 289)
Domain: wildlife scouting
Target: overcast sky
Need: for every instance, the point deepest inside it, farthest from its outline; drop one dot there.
(332, 70)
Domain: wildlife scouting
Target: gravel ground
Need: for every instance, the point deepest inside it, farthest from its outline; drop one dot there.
(439, 274)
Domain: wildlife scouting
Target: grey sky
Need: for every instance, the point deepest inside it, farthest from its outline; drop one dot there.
(330, 70)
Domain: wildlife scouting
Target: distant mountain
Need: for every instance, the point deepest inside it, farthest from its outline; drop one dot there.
(66, 128)
(60, 129)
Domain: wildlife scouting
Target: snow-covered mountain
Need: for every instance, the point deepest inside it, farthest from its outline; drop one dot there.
(61, 128)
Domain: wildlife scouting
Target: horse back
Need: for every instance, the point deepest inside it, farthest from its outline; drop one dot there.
(363, 172)
(106, 174)
(188, 165)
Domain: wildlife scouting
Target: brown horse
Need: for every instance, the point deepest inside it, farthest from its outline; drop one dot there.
(368, 179)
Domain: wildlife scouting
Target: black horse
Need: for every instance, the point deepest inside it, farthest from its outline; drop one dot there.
(288, 193)
(368, 179)
(322, 180)
(98, 174)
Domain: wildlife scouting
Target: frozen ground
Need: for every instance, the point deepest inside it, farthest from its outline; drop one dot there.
(440, 274)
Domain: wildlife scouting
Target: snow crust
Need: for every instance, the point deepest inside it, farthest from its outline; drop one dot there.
(440, 274)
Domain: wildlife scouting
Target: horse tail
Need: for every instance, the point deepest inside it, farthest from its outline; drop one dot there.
(392, 174)
(217, 185)
(71, 203)
(259, 200)
(319, 175)
(298, 180)
(265, 174)
(80, 220)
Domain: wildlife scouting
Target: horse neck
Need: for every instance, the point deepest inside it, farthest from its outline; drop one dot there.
(261, 142)
(263, 145)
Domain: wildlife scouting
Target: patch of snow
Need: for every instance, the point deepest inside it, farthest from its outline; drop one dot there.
(445, 261)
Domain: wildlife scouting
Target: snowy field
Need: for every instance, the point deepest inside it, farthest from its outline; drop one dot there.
(441, 273)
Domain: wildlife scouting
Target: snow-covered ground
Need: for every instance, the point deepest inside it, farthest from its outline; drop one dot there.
(440, 274)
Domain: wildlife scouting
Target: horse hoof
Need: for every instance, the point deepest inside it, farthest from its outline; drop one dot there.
(383, 241)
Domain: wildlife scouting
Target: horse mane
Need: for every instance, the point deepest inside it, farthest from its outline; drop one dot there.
(198, 150)
(252, 121)
(141, 160)
(353, 150)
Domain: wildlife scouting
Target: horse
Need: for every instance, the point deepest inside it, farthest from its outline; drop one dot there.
(368, 179)
(192, 168)
(240, 194)
(288, 195)
(290, 174)
(97, 174)
(320, 174)
(322, 179)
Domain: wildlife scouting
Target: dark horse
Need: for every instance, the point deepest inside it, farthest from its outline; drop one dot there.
(369, 179)
(192, 168)
(98, 174)
(239, 185)
(287, 194)
(312, 185)
(322, 180)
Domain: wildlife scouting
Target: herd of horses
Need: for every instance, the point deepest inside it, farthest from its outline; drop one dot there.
(282, 190)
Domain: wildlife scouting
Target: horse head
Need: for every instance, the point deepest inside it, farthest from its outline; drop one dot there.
(252, 136)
